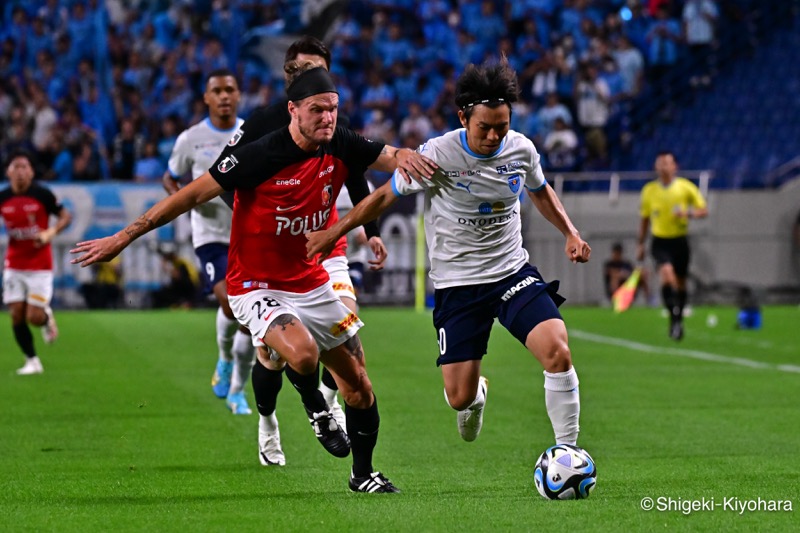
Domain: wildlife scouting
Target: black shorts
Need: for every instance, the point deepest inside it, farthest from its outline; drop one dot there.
(463, 316)
(673, 251)
(213, 264)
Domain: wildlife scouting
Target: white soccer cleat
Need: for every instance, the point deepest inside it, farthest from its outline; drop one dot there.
(50, 329)
(32, 366)
(269, 446)
(470, 421)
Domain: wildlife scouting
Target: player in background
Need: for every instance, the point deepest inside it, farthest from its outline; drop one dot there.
(479, 269)
(356, 260)
(268, 377)
(285, 185)
(28, 268)
(195, 151)
(668, 202)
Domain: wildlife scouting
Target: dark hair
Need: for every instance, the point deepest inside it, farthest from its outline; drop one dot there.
(667, 152)
(221, 73)
(616, 247)
(21, 152)
(310, 46)
(490, 85)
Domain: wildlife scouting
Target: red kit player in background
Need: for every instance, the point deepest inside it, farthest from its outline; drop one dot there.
(28, 267)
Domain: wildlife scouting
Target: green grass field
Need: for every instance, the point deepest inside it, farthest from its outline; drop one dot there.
(122, 432)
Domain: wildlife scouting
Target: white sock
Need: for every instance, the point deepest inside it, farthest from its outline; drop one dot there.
(563, 404)
(328, 393)
(267, 424)
(244, 357)
(226, 328)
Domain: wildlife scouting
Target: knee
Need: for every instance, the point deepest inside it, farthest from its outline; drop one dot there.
(36, 316)
(359, 394)
(558, 358)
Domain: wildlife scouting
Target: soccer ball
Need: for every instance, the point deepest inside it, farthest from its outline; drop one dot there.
(565, 472)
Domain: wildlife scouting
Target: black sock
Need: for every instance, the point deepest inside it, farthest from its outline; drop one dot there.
(681, 302)
(668, 297)
(266, 386)
(25, 339)
(362, 428)
(327, 379)
(307, 387)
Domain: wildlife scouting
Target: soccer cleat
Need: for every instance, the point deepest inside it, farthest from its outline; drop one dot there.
(221, 380)
(470, 421)
(375, 482)
(269, 447)
(676, 329)
(50, 329)
(329, 434)
(32, 366)
(237, 403)
(338, 414)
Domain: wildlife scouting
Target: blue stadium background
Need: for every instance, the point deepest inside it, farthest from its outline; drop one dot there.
(99, 90)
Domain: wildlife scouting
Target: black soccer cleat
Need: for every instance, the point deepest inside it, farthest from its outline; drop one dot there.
(676, 330)
(375, 482)
(329, 434)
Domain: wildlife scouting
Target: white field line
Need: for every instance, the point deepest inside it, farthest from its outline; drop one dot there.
(680, 352)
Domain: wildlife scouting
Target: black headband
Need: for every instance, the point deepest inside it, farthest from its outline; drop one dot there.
(479, 102)
(314, 81)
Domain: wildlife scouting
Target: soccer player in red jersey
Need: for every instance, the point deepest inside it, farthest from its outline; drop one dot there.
(28, 268)
(285, 185)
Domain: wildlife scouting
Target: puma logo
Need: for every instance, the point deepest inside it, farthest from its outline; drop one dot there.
(465, 187)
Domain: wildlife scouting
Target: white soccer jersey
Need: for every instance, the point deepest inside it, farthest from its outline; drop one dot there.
(196, 149)
(472, 221)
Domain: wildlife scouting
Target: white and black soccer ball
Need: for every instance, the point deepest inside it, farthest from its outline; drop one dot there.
(565, 472)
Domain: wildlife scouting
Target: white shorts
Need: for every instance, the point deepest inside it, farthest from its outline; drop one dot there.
(32, 286)
(330, 322)
(339, 271)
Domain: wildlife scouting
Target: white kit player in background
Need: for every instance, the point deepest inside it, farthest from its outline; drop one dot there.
(479, 267)
(195, 151)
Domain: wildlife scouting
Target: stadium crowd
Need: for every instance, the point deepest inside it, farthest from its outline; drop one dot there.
(100, 89)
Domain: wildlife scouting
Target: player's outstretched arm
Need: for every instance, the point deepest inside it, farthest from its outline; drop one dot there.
(548, 204)
(197, 192)
(409, 163)
(322, 242)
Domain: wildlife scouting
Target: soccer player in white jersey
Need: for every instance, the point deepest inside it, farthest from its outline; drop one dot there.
(479, 268)
(195, 151)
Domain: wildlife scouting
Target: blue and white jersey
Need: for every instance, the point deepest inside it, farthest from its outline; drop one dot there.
(472, 208)
(196, 150)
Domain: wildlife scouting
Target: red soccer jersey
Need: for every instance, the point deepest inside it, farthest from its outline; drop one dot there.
(341, 245)
(25, 216)
(282, 193)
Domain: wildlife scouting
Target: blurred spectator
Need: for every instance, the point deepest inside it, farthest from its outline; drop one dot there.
(257, 94)
(552, 110)
(44, 118)
(379, 127)
(631, 66)
(416, 122)
(699, 27)
(663, 38)
(149, 169)
(169, 134)
(128, 149)
(592, 98)
(561, 147)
